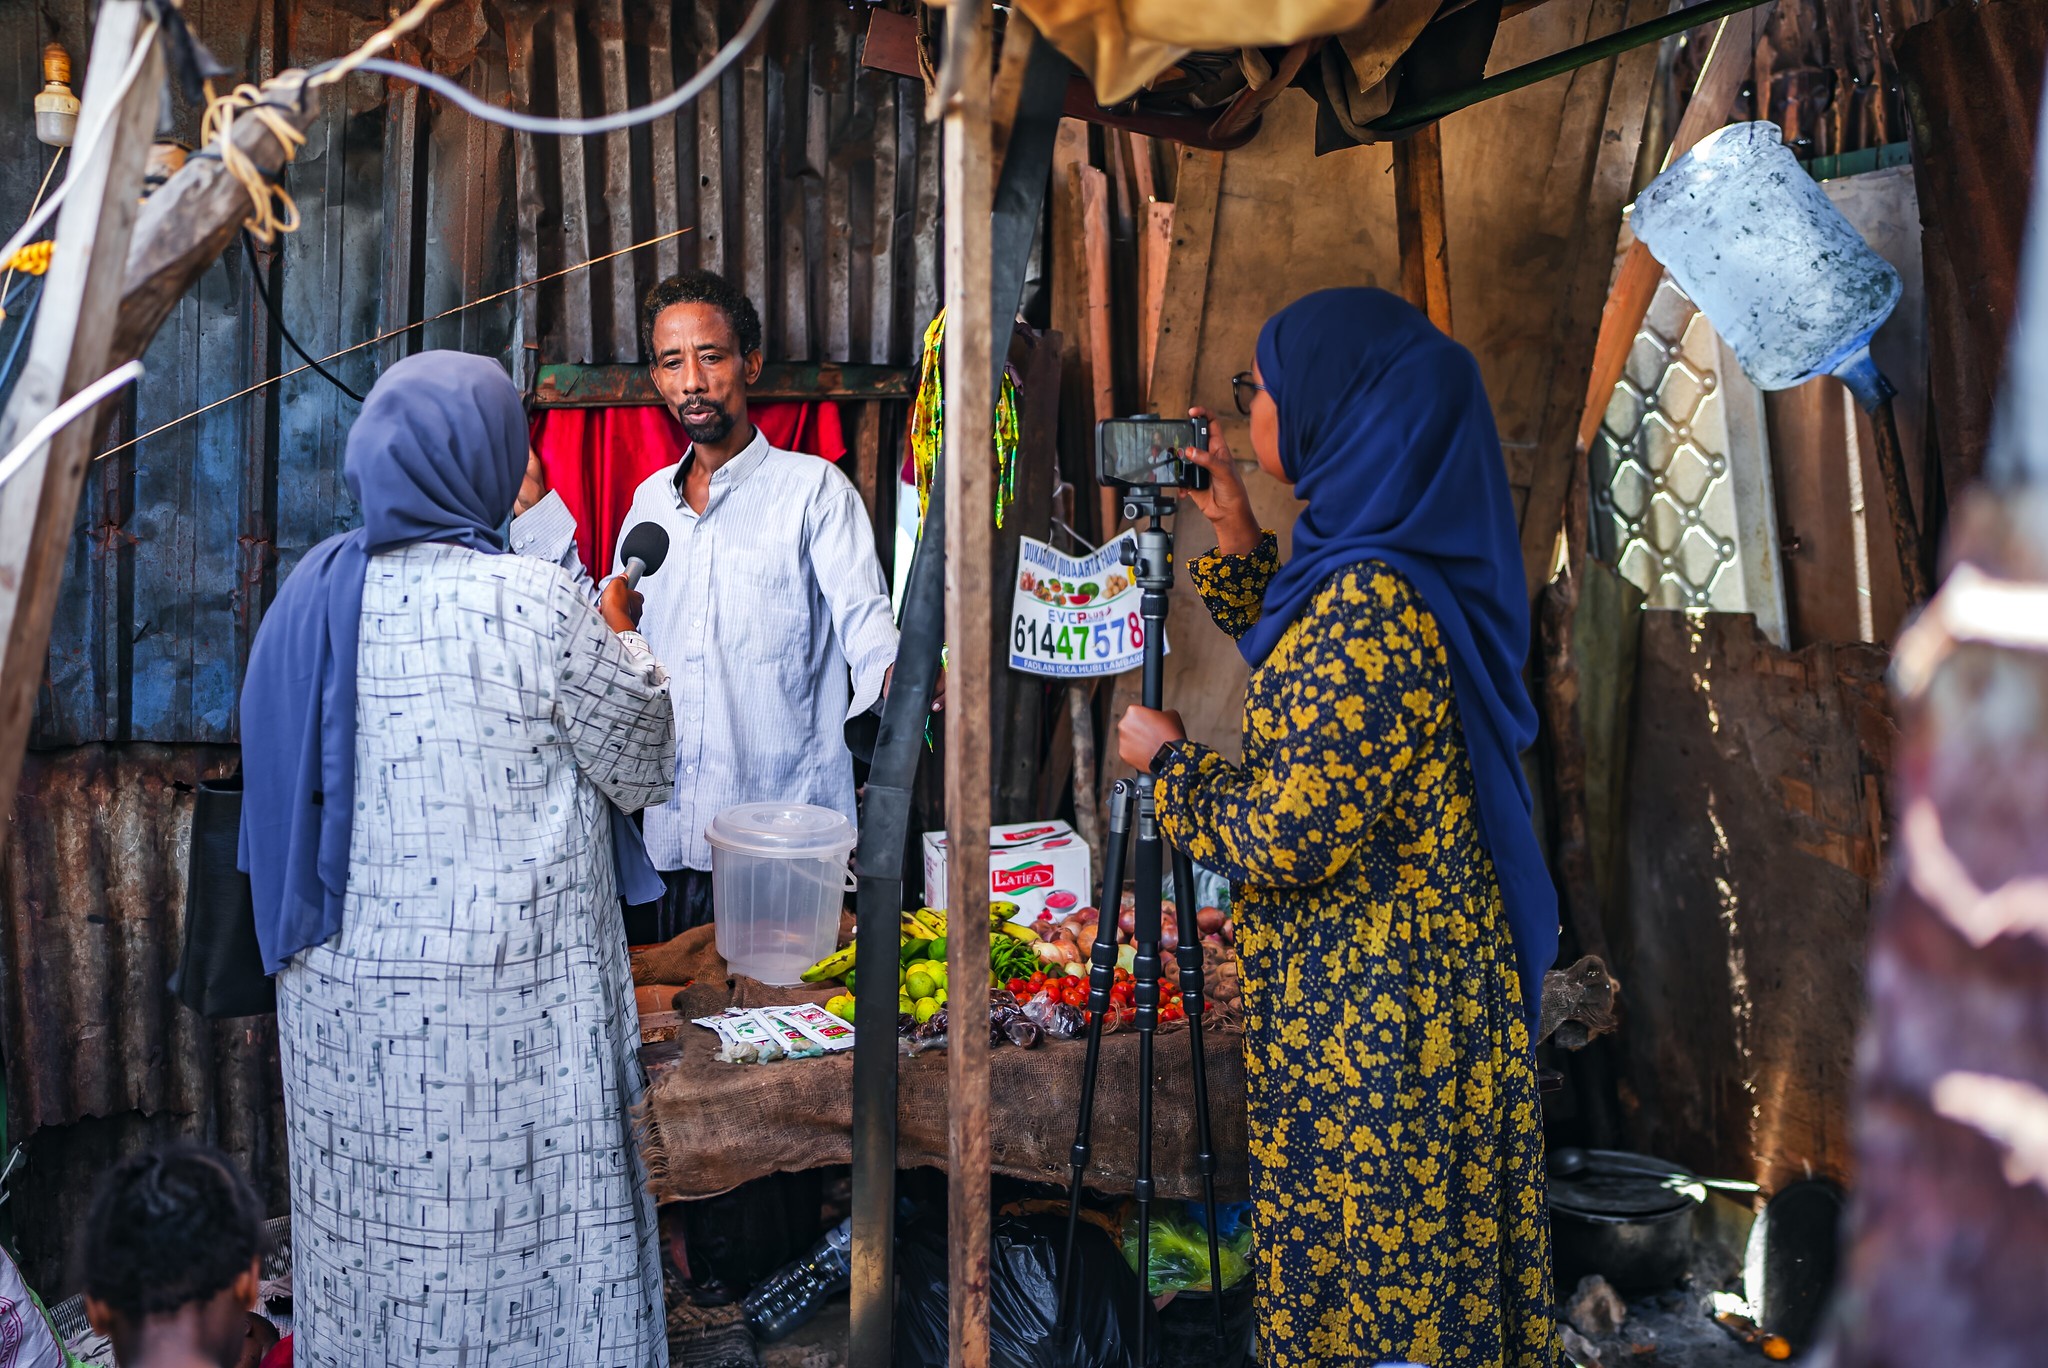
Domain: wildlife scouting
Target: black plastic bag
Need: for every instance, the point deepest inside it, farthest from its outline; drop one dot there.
(1023, 1296)
(1187, 1330)
(220, 968)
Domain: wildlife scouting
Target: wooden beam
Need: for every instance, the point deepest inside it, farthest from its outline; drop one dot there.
(1610, 97)
(1727, 65)
(970, 630)
(1419, 223)
(571, 386)
(1155, 249)
(1185, 291)
(71, 348)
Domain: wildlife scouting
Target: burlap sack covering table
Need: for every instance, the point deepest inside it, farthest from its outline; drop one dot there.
(710, 1126)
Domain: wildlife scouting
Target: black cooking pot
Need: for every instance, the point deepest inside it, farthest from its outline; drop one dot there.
(1627, 1217)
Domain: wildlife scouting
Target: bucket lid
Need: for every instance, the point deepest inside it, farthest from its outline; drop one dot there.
(782, 829)
(1616, 1185)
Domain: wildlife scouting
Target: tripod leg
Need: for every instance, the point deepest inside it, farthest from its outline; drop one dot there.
(1190, 956)
(1148, 863)
(1101, 975)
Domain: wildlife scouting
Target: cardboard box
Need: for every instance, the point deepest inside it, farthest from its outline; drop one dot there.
(1036, 865)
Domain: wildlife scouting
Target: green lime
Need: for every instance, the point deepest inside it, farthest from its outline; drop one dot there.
(919, 985)
(926, 1008)
(939, 949)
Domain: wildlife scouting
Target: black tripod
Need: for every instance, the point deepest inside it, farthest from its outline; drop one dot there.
(1152, 565)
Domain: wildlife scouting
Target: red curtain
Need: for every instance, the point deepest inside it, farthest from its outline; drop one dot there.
(597, 457)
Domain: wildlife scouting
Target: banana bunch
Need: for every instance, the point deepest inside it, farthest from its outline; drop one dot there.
(921, 936)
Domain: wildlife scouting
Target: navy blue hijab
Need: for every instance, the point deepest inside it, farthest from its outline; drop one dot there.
(437, 454)
(1386, 432)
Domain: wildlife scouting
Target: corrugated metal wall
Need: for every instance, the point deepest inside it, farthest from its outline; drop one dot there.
(811, 180)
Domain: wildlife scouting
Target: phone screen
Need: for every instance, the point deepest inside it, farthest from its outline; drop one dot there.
(1142, 451)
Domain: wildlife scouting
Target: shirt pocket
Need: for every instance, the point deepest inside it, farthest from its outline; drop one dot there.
(769, 608)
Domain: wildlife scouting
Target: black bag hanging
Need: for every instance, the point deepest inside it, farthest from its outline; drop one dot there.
(220, 970)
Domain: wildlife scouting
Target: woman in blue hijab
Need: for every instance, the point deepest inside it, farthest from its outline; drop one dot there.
(434, 736)
(1394, 916)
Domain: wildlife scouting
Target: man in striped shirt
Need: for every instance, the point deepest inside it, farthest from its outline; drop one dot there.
(770, 610)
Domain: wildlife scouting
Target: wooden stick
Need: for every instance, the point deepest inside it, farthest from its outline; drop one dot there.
(1091, 185)
(970, 633)
(72, 347)
(1155, 249)
(1898, 502)
(1635, 284)
(1186, 288)
(1419, 222)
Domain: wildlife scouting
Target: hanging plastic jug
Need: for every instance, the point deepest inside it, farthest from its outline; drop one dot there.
(1782, 276)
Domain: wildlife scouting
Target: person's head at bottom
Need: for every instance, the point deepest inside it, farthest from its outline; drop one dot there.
(172, 1259)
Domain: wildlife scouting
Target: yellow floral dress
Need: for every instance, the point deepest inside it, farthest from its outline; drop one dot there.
(1396, 1149)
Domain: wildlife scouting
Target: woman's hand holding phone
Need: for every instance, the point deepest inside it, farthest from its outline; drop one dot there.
(1224, 503)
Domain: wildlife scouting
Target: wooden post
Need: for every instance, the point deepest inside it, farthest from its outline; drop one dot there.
(1419, 221)
(72, 348)
(970, 634)
(1948, 1242)
(1185, 291)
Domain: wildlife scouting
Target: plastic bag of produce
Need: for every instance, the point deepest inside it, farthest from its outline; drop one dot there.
(1023, 1297)
(1179, 1252)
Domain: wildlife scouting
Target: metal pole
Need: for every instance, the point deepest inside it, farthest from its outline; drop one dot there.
(1401, 117)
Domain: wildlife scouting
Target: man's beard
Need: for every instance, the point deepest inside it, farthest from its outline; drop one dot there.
(705, 426)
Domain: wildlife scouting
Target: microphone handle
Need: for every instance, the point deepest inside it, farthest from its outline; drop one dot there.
(634, 570)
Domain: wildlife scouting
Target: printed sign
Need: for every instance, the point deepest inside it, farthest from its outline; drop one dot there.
(1075, 618)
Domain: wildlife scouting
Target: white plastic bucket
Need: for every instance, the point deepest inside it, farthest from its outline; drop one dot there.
(1763, 251)
(778, 880)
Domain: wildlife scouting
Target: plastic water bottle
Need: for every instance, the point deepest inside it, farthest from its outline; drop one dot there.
(792, 1296)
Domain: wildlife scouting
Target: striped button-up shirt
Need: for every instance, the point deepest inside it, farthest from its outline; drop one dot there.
(772, 617)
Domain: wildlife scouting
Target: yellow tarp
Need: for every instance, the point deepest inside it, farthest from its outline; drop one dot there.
(1124, 44)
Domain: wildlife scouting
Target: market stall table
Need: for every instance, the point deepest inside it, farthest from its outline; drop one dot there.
(710, 1126)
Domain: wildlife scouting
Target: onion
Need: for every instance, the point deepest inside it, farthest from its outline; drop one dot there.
(1169, 937)
(1210, 919)
(1128, 922)
(1229, 931)
(1085, 941)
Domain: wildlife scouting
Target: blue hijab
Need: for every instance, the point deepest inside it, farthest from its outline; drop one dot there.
(437, 454)
(1386, 432)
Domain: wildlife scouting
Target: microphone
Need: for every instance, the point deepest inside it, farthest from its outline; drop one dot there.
(643, 551)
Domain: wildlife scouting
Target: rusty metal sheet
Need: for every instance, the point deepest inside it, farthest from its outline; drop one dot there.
(1972, 74)
(1756, 817)
(100, 1059)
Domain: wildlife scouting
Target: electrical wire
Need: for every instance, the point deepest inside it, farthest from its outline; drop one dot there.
(756, 19)
(55, 420)
(21, 332)
(387, 336)
(267, 292)
(95, 137)
(216, 126)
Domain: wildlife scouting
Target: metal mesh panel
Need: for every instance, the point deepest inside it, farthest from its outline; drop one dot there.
(1664, 503)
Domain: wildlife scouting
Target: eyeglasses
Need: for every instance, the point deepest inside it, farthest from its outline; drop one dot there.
(1243, 388)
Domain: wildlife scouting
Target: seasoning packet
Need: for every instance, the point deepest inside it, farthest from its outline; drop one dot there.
(795, 1043)
(742, 1039)
(817, 1024)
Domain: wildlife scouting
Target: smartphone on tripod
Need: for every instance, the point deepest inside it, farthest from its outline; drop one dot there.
(1146, 451)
